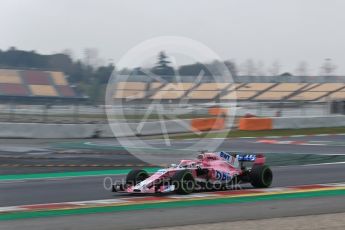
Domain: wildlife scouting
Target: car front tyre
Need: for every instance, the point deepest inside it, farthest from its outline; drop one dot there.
(184, 182)
(136, 176)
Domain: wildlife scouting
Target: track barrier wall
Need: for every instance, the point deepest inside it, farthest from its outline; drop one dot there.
(308, 122)
(255, 123)
(43, 130)
(205, 124)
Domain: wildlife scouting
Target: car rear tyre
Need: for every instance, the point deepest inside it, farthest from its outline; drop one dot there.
(136, 176)
(184, 182)
(261, 176)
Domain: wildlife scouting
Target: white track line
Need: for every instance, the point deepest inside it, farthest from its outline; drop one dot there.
(319, 164)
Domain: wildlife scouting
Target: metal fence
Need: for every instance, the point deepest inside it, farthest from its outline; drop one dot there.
(97, 114)
(285, 110)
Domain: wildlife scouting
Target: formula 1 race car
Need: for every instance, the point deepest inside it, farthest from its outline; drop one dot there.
(210, 171)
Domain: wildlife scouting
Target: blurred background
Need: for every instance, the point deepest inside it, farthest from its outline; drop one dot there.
(276, 86)
(56, 58)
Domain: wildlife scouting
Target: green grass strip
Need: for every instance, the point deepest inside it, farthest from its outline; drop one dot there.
(69, 174)
(174, 204)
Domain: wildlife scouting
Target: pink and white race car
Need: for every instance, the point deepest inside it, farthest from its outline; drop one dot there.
(210, 171)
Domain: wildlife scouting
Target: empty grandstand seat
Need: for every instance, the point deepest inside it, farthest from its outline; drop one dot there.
(337, 96)
(131, 86)
(327, 87)
(58, 78)
(239, 95)
(202, 94)
(31, 83)
(155, 85)
(318, 92)
(212, 86)
(288, 87)
(65, 91)
(43, 90)
(273, 95)
(310, 86)
(234, 86)
(9, 76)
(255, 86)
(35, 77)
(308, 96)
(168, 94)
(13, 89)
(128, 94)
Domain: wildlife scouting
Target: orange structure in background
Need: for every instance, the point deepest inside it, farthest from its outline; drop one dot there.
(255, 123)
(205, 124)
(216, 111)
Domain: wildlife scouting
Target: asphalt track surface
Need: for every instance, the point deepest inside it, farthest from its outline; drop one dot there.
(99, 152)
(149, 219)
(91, 188)
(233, 144)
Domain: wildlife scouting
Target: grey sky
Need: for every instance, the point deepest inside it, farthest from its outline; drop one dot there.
(286, 30)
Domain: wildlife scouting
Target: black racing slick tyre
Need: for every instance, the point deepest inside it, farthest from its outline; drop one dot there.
(184, 182)
(261, 176)
(136, 176)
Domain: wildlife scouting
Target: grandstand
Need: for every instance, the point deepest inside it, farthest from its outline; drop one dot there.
(260, 92)
(35, 85)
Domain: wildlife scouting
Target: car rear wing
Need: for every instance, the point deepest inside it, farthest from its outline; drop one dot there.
(255, 158)
(258, 159)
